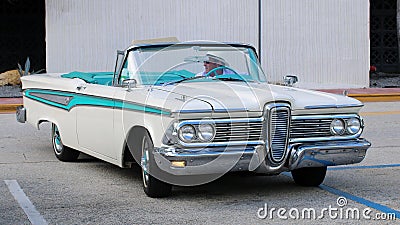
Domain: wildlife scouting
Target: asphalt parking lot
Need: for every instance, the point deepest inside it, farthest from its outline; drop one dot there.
(37, 188)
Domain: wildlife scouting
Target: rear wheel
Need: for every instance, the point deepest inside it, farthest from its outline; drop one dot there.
(152, 186)
(309, 176)
(63, 153)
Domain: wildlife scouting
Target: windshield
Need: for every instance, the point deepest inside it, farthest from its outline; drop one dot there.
(192, 63)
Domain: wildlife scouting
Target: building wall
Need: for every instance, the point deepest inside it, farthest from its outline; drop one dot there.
(324, 42)
(84, 35)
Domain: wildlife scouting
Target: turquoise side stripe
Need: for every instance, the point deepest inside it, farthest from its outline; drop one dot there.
(28, 94)
(86, 100)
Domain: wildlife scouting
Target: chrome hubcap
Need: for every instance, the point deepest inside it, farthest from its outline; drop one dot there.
(58, 146)
(145, 161)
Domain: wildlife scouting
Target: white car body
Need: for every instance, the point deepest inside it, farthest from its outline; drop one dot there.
(97, 119)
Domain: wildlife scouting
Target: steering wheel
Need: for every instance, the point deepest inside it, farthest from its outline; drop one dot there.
(169, 73)
(172, 73)
(220, 68)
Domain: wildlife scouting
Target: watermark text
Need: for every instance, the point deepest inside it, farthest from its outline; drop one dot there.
(338, 211)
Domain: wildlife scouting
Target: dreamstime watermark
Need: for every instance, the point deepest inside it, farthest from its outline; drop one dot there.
(338, 211)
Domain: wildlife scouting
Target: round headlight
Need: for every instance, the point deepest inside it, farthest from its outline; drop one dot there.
(187, 133)
(206, 132)
(353, 126)
(337, 127)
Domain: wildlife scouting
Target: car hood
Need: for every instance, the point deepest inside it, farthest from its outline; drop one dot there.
(240, 96)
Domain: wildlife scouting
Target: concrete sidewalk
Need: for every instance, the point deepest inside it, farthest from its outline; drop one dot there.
(9, 105)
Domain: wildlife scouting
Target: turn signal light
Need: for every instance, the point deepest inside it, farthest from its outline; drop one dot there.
(179, 164)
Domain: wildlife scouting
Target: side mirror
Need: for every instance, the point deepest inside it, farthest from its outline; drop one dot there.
(290, 80)
(129, 84)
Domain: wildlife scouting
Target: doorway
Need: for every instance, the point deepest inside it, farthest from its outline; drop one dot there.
(384, 42)
(22, 34)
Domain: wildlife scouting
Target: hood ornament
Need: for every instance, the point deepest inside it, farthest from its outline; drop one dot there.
(183, 98)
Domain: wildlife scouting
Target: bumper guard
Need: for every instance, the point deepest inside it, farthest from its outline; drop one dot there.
(21, 114)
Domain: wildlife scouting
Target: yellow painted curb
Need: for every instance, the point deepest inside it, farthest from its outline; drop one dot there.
(392, 97)
(8, 108)
(380, 113)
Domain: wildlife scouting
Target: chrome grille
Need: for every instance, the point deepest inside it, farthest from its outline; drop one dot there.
(309, 128)
(238, 131)
(278, 132)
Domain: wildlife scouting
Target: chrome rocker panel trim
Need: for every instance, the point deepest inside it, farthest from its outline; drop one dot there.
(255, 159)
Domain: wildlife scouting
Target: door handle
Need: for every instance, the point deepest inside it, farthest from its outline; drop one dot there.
(80, 87)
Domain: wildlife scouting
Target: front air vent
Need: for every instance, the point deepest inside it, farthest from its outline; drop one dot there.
(238, 131)
(309, 128)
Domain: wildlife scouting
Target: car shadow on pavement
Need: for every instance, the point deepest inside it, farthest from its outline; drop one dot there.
(83, 158)
(238, 184)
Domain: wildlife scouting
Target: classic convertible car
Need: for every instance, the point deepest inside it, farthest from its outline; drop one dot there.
(190, 112)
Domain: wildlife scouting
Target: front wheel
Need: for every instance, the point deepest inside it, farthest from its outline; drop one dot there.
(309, 176)
(152, 186)
(63, 153)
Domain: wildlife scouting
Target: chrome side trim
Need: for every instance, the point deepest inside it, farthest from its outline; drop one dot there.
(332, 106)
(326, 116)
(212, 110)
(194, 111)
(241, 120)
(232, 110)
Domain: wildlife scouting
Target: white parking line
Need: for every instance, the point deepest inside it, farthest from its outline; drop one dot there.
(24, 202)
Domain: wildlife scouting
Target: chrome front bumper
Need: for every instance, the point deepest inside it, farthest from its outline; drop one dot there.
(327, 153)
(222, 160)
